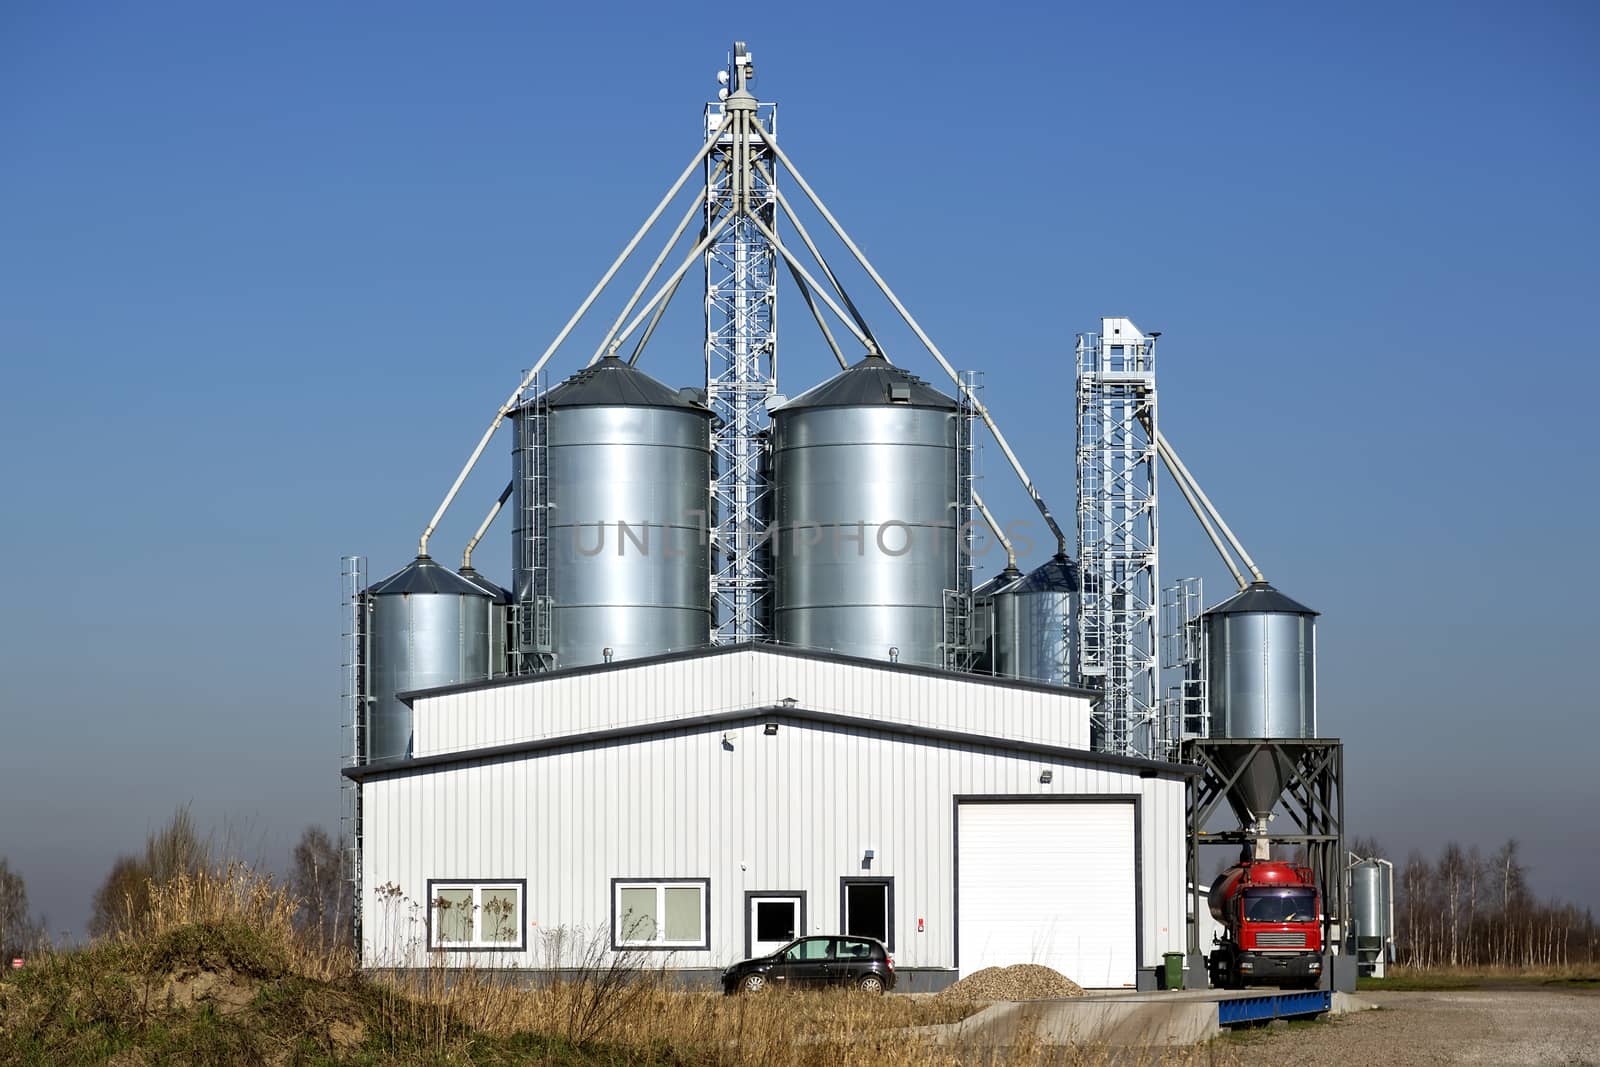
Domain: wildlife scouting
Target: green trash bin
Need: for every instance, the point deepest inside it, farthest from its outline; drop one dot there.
(1172, 972)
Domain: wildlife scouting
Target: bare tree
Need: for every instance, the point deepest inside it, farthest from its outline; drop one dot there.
(124, 897)
(1415, 883)
(318, 880)
(1474, 876)
(1366, 847)
(1452, 872)
(121, 899)
(18, 931)
(176, 849)
(1465, 911)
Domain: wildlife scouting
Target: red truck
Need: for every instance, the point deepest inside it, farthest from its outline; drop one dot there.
(1270, 912)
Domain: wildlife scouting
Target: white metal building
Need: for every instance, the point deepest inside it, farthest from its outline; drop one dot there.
(710, 805)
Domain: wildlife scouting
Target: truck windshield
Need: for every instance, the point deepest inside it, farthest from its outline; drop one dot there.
(1280, 906)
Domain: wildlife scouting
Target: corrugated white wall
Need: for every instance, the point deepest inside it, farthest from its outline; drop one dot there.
(791, 811)
(654, 692)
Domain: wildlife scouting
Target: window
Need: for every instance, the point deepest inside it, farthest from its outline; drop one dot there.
(867, 905)
(849, 949)
(812, 948)
(477, 915)
(651, 914)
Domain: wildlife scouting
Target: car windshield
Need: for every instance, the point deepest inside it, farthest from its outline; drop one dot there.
(1281, 906)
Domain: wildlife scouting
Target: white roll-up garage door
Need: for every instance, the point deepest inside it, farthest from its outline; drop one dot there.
(1048, 882)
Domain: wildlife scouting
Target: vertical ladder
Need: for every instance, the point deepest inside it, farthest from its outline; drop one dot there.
(959, 653)
(534, 651)
(1183, 641)
(355, 702)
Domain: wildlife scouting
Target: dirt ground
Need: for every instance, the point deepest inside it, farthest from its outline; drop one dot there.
(1541, 1026)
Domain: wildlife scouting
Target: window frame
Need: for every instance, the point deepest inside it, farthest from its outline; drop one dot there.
(661, 885)
(844, 907)
(478, 885)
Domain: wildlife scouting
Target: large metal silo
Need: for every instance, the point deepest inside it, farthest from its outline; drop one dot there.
(426, 626)
(865, 478)
(612, 496)
(1034, 619)
(1262, 668)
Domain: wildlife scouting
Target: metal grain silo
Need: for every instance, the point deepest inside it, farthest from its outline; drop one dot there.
(865, 485)
(1371, 913)
(983, 618)
(499, 621)
(426, 626)
(1262, 666)
(1034, 620)
(612, 496)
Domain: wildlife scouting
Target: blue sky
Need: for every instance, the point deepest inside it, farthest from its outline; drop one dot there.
(266, 270)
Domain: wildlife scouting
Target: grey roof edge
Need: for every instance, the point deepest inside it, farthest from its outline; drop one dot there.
(770, 713)
(612, 382)
(862, 385)
(1260, 598)
(1058, 574)
(795, 651)
(425, 575)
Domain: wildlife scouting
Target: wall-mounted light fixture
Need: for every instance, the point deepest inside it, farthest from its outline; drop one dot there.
(1046, 776)
(770, 729)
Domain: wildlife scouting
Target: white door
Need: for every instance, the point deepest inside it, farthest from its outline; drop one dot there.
(1050, 883)
(774, 921)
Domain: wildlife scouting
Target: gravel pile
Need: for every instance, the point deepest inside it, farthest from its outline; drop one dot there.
(1020, 981)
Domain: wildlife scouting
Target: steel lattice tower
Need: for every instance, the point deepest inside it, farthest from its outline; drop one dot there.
(1118, 621)
(741, 371)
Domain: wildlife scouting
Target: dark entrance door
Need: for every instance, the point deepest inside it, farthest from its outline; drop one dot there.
(867, 905)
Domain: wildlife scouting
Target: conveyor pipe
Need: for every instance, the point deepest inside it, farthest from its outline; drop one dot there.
(483, 527)
(1181, 474)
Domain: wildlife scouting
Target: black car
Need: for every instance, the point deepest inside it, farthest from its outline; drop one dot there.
(816, 962)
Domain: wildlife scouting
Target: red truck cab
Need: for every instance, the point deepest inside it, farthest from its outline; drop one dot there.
(1271, 914)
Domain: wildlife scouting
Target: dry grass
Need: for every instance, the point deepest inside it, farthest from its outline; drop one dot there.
(1407, 979)
(214, 972)
(236, 893)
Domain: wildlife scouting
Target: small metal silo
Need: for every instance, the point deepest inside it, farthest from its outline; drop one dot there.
(499, 621)
(1371, 913)
(427, 626)
(612, 494)
(865, 479)
(1262, 677)
(983, 618)
(1034, 619)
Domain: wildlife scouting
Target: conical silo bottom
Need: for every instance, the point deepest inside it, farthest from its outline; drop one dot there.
(1259, 770)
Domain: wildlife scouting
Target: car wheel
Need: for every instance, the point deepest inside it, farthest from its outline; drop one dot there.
(753, 983)
(870, 983)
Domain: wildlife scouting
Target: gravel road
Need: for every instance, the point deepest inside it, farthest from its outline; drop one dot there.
(1470, 1026)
